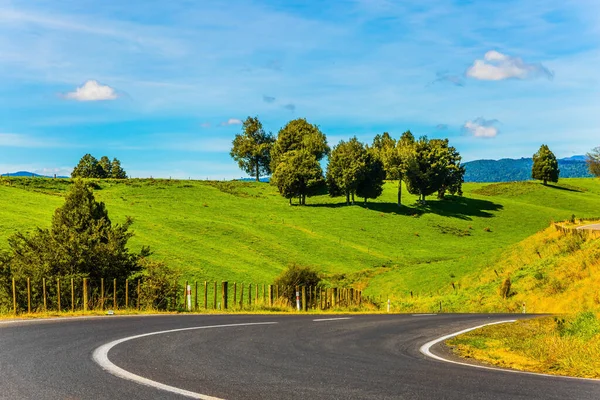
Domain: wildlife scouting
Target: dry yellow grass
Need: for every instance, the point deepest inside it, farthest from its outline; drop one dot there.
(538, 345)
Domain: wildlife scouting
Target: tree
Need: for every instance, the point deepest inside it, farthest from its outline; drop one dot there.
(116, 171)
(593, 161)
(252, 148)
(370, 186)
(298, 134)
(346, 168)
(426, 168)
(88, 167)
(299, 145)
(81, 242)
(545, 166)
(394, 154)
(455, 172)
(106, 166)
(298, 175)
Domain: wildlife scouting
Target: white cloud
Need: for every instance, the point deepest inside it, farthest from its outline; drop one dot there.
(232, 121)
(496, 66)
(480, 127)
(92, 91)
(24, 141)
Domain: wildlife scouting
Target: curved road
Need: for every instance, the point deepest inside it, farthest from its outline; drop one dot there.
(295, 357)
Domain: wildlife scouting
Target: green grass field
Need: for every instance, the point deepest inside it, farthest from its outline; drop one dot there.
(246, 232)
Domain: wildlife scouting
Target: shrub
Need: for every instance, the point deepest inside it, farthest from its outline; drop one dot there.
(505, 288)
(159, 284)
(296, 275)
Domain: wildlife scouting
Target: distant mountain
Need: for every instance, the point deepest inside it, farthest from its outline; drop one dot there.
(253, 179)
(30, 174)
(509, 169)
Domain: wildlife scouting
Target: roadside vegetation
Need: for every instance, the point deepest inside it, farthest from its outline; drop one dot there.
(563, 345)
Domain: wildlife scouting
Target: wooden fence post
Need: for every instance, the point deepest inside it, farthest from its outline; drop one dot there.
(215, 296)
(234, 294)
(138, 294)
(264, 296)
(224, 294)
(44, 293)
(72, 295)
(58, 294)
(14, 296)
(196, 296)
(256, 296)
(115, 294)
(102, 294)
(241, 296)
(304, 308)
(270, 295)
(249, 294)
(85, 295)
(205, 295)
(126, 293)
(185, 295)
(28, 296)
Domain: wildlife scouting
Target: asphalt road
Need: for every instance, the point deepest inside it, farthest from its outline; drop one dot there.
(364, 357)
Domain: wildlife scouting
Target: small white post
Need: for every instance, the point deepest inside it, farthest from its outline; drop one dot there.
(298, 300)
(388, 308)
(189, 298)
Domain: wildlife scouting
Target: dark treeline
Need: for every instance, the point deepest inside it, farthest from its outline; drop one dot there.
(90, 167)
(354, 169)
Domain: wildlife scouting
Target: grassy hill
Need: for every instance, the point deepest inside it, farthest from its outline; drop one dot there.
(245, 232)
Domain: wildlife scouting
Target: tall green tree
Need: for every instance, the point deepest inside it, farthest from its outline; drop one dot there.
(545, 166)
(88, 167)
(299, 134)
(347, 167)
(454, 173)
(81, 242)
(116, 171)
(106, 166)
(298, 175)
(394, 155)
(252, 148)
(426, 168)
(593, 161)
(370, 186)
(302, 145)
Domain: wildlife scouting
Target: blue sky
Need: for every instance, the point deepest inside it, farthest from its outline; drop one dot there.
(163, 85)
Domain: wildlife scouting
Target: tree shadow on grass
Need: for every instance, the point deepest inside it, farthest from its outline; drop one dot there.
(567, 188)
(462, 207)
(453, 206)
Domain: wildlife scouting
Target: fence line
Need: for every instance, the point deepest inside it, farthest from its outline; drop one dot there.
(92, 294)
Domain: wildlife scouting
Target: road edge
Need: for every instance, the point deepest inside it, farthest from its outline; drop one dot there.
(426, 350)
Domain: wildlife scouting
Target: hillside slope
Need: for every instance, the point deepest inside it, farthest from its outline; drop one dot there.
(245, 232)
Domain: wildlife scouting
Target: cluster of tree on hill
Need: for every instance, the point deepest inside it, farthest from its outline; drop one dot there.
(293, 159)
(90, 167)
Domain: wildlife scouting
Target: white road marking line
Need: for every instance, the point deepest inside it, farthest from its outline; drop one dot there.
(422, 315)
(330, 319)
(100, 356)
(426, 350)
